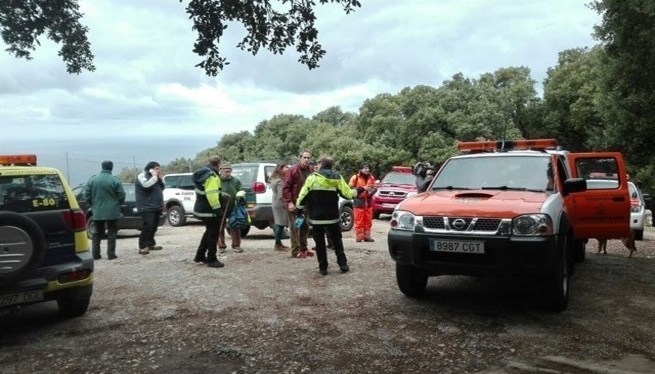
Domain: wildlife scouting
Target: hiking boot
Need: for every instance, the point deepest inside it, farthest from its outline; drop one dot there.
(358, 240)
(281, 247)
(238, 249)
(156, 248)
(215, 264)
(309, 252)
(222, 250)
(112, 257)
(344, 268)
(97, 257)
(369, 240)
(200, 259)
(301, 254)
(322, 271)
(143, 251)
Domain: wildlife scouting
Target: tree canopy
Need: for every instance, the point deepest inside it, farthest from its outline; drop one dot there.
(273, 25)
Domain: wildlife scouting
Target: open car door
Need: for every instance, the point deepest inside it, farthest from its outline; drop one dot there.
(603, 210)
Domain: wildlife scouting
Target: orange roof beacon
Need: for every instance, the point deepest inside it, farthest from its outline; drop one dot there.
(509, 208)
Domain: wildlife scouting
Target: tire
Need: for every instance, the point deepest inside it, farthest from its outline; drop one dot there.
(20, 235)
(90, 227)
(175, 216)
(578, 250)
(411, 281)
(76, 302)
(346, 218)
(556, 283)
(639, 234)
(245, 231)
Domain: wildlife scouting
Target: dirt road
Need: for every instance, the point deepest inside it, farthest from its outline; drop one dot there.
(268, 313)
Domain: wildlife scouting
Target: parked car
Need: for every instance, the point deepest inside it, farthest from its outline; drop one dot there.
(395, 187)
(44, 252)
(131, 219)
(506, 209)
(179, 197)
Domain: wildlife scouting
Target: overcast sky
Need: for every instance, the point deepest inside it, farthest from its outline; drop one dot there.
(146, 86)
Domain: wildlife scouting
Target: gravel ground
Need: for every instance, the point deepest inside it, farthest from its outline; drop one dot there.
(266, 312)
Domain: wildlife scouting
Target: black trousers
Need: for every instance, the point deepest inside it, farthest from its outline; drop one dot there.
(148, 229)
(209, 240)
(334, 234)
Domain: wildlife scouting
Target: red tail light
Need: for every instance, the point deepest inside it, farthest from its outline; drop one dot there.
(75, 220)
(258, 187)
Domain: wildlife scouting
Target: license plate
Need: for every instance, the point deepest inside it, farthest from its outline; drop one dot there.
(21, 297)
(387, 205)
(457, 246)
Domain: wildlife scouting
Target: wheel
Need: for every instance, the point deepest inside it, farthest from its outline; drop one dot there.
(556, 282)
(90, 227)
(22, 239)
(639, 234)
(245, 231)
(346, 218)
(75, 302)
(411, 281)
(175, 216)
(578, 250)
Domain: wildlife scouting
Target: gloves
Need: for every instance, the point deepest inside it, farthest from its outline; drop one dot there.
(359, 190)
(241, 195)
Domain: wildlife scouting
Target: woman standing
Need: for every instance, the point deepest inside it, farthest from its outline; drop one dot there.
(280, 215)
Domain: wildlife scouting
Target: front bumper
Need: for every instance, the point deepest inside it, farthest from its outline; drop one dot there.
(504, 256)
(384, 205)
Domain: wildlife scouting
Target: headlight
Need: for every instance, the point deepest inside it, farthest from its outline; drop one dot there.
(401, 220)
(532, 225)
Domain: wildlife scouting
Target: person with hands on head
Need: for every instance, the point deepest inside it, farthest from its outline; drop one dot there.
(207, 208)
(293, 182)
(364, 183)
(149, 189)
(320, 193)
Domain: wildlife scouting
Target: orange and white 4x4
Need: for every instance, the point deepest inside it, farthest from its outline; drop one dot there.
(508, 209)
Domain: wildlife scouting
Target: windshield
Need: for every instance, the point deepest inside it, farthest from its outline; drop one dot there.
(398, 178)
(496, 172)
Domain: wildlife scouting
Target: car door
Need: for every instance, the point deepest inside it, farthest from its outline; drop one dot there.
(603, 210)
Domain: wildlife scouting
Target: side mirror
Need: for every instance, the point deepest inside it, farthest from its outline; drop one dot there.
(574, 185)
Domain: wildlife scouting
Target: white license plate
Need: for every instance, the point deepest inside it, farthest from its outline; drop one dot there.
(21, 297)
(387, 205)
(457, 246)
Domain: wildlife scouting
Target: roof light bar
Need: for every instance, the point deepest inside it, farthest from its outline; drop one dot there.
(494, 145)
(17, 160)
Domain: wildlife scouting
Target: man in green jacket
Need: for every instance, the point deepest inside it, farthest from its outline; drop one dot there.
(105, 194)
(320, 193)
(231, 186)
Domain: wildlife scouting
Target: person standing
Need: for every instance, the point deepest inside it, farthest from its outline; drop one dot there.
(364, 183)
(208, 209)
(320, 193)
(104, 193)
(149, 189)
(230, 186)
(293, 182)
(279, 210)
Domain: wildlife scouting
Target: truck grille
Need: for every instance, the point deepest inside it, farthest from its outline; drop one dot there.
(488, 225)
(396, 194)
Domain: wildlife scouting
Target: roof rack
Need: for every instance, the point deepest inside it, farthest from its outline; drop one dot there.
(507, 145)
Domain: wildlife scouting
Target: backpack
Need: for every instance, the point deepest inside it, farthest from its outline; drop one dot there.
(239, 219)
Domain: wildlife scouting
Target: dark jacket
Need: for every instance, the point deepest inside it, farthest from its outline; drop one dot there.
(105, 193)
(320, 193)
(149, 192)
(293, 181)
(208, 186)
(230, 186)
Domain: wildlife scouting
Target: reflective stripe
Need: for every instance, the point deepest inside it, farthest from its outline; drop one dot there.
(200, 192)
(323, 221)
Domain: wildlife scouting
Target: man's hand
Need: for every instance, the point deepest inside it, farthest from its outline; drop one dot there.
(291, 207)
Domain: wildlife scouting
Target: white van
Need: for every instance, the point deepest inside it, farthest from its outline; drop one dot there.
(179, 197)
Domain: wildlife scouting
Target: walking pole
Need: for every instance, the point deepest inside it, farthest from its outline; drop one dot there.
(222, 226)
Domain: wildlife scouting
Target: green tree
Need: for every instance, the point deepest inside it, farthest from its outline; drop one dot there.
(128, 175)
(273, 25)
(627, 33)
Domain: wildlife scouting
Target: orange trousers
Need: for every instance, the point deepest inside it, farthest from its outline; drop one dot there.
(363, 223)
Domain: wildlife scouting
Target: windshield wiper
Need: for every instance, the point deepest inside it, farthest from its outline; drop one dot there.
(450, 188)
(504, 188)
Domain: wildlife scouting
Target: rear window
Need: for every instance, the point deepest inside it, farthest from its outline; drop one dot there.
(245, 173)
(32, 193)
(130, 194)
